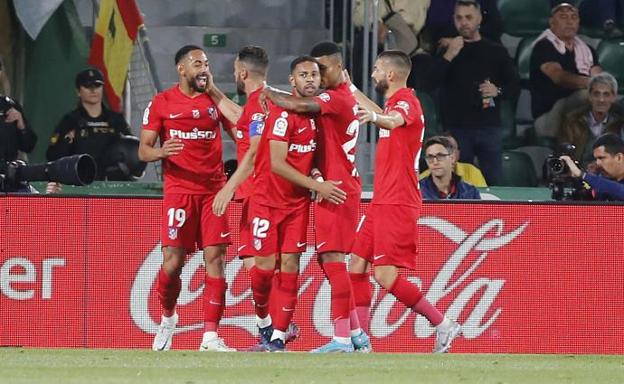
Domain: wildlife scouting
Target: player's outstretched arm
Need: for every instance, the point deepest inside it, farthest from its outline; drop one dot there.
(327, 189)
(243, 171)
(227, 107)
(292, 103)
(386, 121)
(360, 97)
(148, 152)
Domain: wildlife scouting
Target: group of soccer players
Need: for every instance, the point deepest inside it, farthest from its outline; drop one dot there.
(287, 146)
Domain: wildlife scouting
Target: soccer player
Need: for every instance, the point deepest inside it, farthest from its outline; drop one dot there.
(250, 72)
(335, 225)
(186, 120)
(280, 202)
(388, 236)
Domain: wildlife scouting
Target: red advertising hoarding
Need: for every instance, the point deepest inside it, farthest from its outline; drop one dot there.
(521, 278)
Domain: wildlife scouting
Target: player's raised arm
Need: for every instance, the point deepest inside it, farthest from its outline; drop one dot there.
(227, 107)
(360, 97)
(292, 103)
(391, 120)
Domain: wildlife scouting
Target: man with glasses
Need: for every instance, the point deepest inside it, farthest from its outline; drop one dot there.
(90, 128)
(443, 183)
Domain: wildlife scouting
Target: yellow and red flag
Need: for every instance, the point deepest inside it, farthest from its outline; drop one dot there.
(116, 29)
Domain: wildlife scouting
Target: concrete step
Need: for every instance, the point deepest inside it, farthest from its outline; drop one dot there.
(234, 13)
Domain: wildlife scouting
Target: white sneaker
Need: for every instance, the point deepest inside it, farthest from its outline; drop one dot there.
(445, 336)
(162, 340)
(213, 343)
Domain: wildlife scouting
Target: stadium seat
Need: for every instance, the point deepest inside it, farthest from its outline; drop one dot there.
(611, 57)
(523, 59)
(524, 18)
(432, 126)
(538, 155)
(518, 170)
(508, 124)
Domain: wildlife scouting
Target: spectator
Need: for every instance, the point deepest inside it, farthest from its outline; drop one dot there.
(609, 154)
(443, 183)
(475, 74)
(605, 14)
(600, 114)
(561, 64)
(90, 128)
(15, 132)
(466, 171)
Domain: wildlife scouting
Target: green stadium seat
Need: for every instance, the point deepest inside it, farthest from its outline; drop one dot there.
(524, 17)
(509, 135)
(523, 59)
(518, 170)
(611, 57)
(430, 110)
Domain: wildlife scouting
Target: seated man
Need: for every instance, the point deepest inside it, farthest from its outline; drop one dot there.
(90, 128)
(468, 172)
(600, 114)
(561, 64)
(443, 182)
(609, 155)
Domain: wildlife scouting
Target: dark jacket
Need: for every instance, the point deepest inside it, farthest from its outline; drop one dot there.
(13, 139)
(575, 130)
(462, 190)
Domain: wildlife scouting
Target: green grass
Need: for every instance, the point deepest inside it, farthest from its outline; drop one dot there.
(44, 366)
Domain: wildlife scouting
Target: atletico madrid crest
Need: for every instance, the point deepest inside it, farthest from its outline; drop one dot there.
(257, 244)
(173, 233)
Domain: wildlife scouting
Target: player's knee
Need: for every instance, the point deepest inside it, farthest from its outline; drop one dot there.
(265, 263)
(357, 264)
(290, 263)
(385, 279)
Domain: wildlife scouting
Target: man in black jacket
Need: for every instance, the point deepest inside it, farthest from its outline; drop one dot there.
(15, 132)
(474, 75)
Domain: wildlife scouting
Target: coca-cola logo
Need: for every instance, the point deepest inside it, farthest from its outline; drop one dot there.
(489, 237)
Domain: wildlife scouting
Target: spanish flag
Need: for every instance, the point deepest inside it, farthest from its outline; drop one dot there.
(116, 29)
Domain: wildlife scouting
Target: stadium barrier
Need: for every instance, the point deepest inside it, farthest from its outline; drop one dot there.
(522, 278)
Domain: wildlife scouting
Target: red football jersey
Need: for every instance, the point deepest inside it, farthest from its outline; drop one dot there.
(198, 169)
(398, 150)
(251, 123)
(338, 133)
(299, 131)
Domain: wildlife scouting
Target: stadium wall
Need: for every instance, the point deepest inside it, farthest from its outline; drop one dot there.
(521, 277)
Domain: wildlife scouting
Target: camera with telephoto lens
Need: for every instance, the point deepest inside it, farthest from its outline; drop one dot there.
(72, 170)
(562, 184)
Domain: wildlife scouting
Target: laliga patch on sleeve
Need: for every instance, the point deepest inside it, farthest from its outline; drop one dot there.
(325, 97)
(257, 117)
(280, 126)
(403, 105)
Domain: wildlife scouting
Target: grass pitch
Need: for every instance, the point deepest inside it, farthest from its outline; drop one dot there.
(44, 366)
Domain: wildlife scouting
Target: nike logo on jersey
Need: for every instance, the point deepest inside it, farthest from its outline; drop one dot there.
(319, 245)
(214, 302)
(224, 234)
(301, 129)
(241, 248)
(300, 244)
(174, 115)
(287, 309)
(378, 257)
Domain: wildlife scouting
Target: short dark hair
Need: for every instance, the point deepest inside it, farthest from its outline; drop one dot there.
(182, 52)
(254, 56)
(468, 3)
(398, 59)
(326, 48)
(612, 143)
(303, 59)
(442, 140)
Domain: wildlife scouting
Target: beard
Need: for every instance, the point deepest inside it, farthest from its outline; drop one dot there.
(381, 86)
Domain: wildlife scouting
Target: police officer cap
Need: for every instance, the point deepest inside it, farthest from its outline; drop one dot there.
(122, 160)
(89, 77)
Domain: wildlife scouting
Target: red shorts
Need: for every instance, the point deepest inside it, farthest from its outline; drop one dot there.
(188, 222)
(278, 230)
(244, 248)
(335, 225)
(388, 235)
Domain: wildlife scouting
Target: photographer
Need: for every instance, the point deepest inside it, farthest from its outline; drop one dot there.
(15, 132)
(609, 154)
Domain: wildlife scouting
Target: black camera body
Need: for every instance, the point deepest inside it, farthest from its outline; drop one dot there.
(6, 103)
(562, 184)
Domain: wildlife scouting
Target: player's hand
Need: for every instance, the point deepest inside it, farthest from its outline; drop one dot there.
(453, 47)
(13, 115)
(262, 99)
(364, 115)
(171, 147)
(209, 81)
(574, 169)
(221, 201)
(329, 191)
(53, 187)
(346, 78)
(488, 89)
